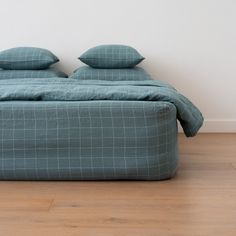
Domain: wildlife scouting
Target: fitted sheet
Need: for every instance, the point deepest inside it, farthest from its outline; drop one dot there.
(88, 140)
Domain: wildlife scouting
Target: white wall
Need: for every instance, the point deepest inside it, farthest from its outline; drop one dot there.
(188, 43)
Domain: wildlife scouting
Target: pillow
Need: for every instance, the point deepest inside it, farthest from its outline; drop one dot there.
(88, 73)
(26, 58)
(15, 74)
(111, 57)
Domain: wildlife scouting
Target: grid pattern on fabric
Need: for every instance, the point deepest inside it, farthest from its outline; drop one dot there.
(88, 73)
(111, 57)
(90, 140)
(48, 73)
(26, 58)
(64, 89)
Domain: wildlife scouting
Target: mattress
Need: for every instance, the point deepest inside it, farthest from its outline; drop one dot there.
(88, 140)
(66, 129)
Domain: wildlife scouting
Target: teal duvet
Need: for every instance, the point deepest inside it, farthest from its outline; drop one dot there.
(65, 129)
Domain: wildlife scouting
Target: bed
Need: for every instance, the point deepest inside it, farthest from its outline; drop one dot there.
(63, 129)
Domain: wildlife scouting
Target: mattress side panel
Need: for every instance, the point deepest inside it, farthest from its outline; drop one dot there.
(90, 140)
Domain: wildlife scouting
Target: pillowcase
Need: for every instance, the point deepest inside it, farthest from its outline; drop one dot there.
(111, 57)
(88, 73)
(26, 58)
(15, 74)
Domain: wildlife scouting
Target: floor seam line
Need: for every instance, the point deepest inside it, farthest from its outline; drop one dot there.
(50, 205)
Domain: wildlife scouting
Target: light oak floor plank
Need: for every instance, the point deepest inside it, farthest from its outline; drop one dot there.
(199, 201)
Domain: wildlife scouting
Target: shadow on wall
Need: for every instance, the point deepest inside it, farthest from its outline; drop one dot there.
(178, 76)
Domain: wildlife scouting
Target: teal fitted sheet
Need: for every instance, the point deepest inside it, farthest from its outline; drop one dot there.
(87, 140)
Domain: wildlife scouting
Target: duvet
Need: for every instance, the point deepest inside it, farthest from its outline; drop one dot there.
(55, 89)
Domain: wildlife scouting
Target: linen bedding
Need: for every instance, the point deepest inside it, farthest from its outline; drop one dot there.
(89, 73)
(65, 129)
(31, 74)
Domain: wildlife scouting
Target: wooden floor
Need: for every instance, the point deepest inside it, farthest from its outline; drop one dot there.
(199, 201)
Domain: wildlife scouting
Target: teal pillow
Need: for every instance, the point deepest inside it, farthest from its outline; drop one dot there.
(17, 74)
(26, 58)
(88, 73)
(111, 57)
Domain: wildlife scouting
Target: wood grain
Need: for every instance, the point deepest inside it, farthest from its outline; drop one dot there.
(199, 201)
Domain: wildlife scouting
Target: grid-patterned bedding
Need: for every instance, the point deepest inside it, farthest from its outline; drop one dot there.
(87, 140)
(61, 89)
(31, 74)
(89, 73)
